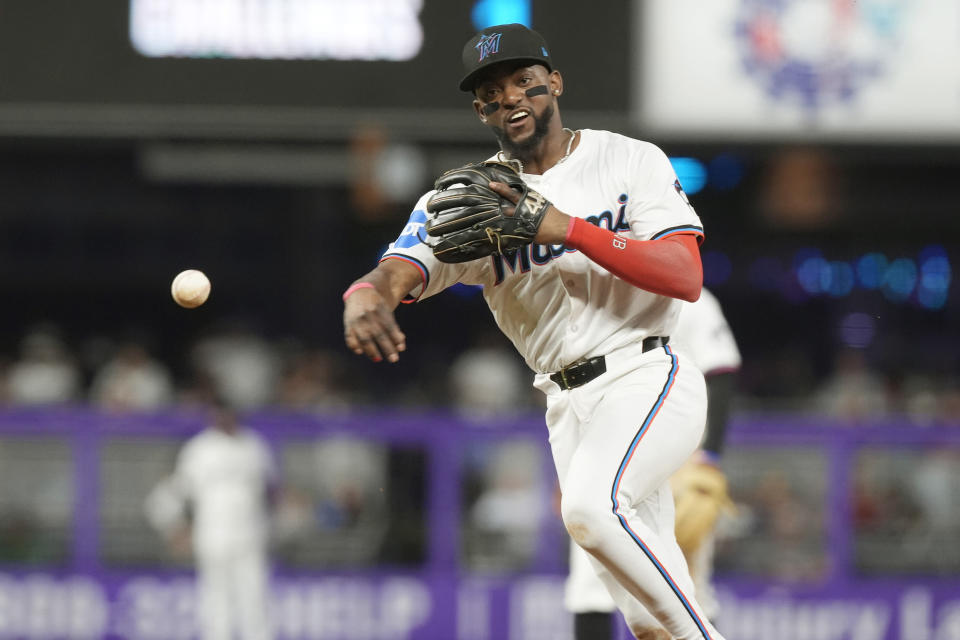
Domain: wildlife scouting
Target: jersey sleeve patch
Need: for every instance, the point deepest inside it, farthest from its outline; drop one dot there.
(410, 236)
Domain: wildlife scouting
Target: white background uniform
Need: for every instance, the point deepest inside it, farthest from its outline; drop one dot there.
(703, 335)
(617, 439)
(226, 476)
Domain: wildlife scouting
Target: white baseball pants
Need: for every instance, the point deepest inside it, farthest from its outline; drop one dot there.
(615, 441)
(233, 591)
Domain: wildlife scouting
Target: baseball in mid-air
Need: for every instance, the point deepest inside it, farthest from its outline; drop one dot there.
(190, 288)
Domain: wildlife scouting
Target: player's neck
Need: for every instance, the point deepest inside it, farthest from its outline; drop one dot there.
(553, 149)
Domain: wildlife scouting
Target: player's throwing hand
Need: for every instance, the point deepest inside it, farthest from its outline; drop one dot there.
(369, 326)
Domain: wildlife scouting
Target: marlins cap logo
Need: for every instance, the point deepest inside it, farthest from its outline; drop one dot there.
(488, 45)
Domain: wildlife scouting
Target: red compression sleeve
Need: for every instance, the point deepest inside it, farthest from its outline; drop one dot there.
(669, 266)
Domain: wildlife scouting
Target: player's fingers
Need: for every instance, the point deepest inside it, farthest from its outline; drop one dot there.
(352, 343)
(378, 344)
(390, 338)
(361, 331)
(505, 191)
(397, 338)
(362, 343)
(352, 332)
(387, 346)
(369, 343)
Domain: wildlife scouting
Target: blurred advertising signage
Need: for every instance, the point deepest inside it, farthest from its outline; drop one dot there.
(380, 606)
(829, 69)
(277, 29)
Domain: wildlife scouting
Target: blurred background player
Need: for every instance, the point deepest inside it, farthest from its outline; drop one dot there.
(699, 487)
(226, 475)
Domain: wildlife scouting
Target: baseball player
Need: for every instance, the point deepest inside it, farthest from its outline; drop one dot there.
(584, 259)
(226, 473)
(703, 335)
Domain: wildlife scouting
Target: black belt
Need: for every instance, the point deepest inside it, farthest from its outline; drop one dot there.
(580, 373)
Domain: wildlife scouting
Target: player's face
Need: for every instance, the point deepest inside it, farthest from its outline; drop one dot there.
(502, 102)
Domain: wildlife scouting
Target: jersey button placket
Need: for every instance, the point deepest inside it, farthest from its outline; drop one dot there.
(569, 284)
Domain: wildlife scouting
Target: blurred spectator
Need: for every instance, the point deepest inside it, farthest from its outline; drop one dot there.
(242, 365)
(485, 380)
(313, 383)
(949, 405)
(382, 174)
(935, 485)
(921, 398)
(37, 501)
(227, 475)
(333, 510)
(853, 391)
(883, 504)
(504, 522)
(778, 531)
(348, 471)
(489, 379)
(132, 380)
(929, 399)
(45, 373)
(293, 516)
(906, 513)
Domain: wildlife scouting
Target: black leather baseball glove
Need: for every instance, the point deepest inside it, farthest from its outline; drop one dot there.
(469, 220)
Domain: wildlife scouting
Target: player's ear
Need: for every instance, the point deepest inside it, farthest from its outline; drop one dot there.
(556, 83)
(478, 107)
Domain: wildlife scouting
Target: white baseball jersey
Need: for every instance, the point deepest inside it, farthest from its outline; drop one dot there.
(226, 476)
(702, 333)
(556, 305)
(617, 438)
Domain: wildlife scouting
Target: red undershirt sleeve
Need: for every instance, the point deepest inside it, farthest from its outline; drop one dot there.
(669, 266)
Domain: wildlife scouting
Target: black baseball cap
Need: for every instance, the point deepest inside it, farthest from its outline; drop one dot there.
(501, 43)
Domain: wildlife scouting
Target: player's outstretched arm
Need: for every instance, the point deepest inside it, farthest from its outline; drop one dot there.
(368, 305)
(668, 266)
